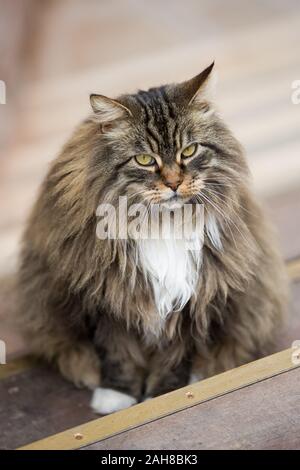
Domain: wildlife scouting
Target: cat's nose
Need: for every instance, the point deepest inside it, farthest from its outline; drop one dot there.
(173, 184)
(172, 176)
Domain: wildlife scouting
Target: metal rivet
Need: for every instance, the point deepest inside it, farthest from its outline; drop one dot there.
(78, 436)
(189, 395)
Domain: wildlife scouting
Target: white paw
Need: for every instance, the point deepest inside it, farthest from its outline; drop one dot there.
(106, 400)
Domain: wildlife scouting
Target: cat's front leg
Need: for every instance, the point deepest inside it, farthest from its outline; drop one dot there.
(166, 376)
(122, 370)
(121, 384)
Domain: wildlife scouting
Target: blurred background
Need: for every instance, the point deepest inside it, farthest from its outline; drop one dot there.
(53, 53)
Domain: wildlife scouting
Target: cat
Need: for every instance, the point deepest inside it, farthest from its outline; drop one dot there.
(133, 319)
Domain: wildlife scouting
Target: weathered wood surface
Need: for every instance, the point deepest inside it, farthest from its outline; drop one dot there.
(37, 403)
(265, 415)
(159, 407)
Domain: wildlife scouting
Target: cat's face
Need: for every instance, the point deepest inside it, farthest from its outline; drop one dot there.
(166, 145)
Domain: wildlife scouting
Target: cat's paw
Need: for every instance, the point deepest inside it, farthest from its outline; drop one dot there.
(107, 400)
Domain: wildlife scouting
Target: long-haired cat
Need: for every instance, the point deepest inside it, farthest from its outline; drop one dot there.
(137, 318)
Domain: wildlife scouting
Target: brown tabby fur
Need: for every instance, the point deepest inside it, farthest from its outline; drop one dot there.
(85, 305)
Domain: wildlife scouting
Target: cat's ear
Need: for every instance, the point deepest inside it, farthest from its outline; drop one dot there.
(199, 88)
(108, 110)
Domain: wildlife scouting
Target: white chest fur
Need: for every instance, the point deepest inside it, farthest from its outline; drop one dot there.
(172, 268)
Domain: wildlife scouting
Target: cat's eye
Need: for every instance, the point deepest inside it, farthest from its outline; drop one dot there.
(189, 151)
(145, 160)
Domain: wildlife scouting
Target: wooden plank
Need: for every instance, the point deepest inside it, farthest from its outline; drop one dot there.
(16, 366)
(38, 402)
(265, 415)
(167, 404)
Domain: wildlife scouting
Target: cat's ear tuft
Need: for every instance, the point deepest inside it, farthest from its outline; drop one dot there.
(108, 110)
(199, 88)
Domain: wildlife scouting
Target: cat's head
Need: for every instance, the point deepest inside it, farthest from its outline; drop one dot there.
(166, 145)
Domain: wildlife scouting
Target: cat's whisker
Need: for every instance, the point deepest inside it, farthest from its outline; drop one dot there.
(223, 216)
(237, 228)
(229, 198)
(213, 193)
(137, 193)
(227, 184)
